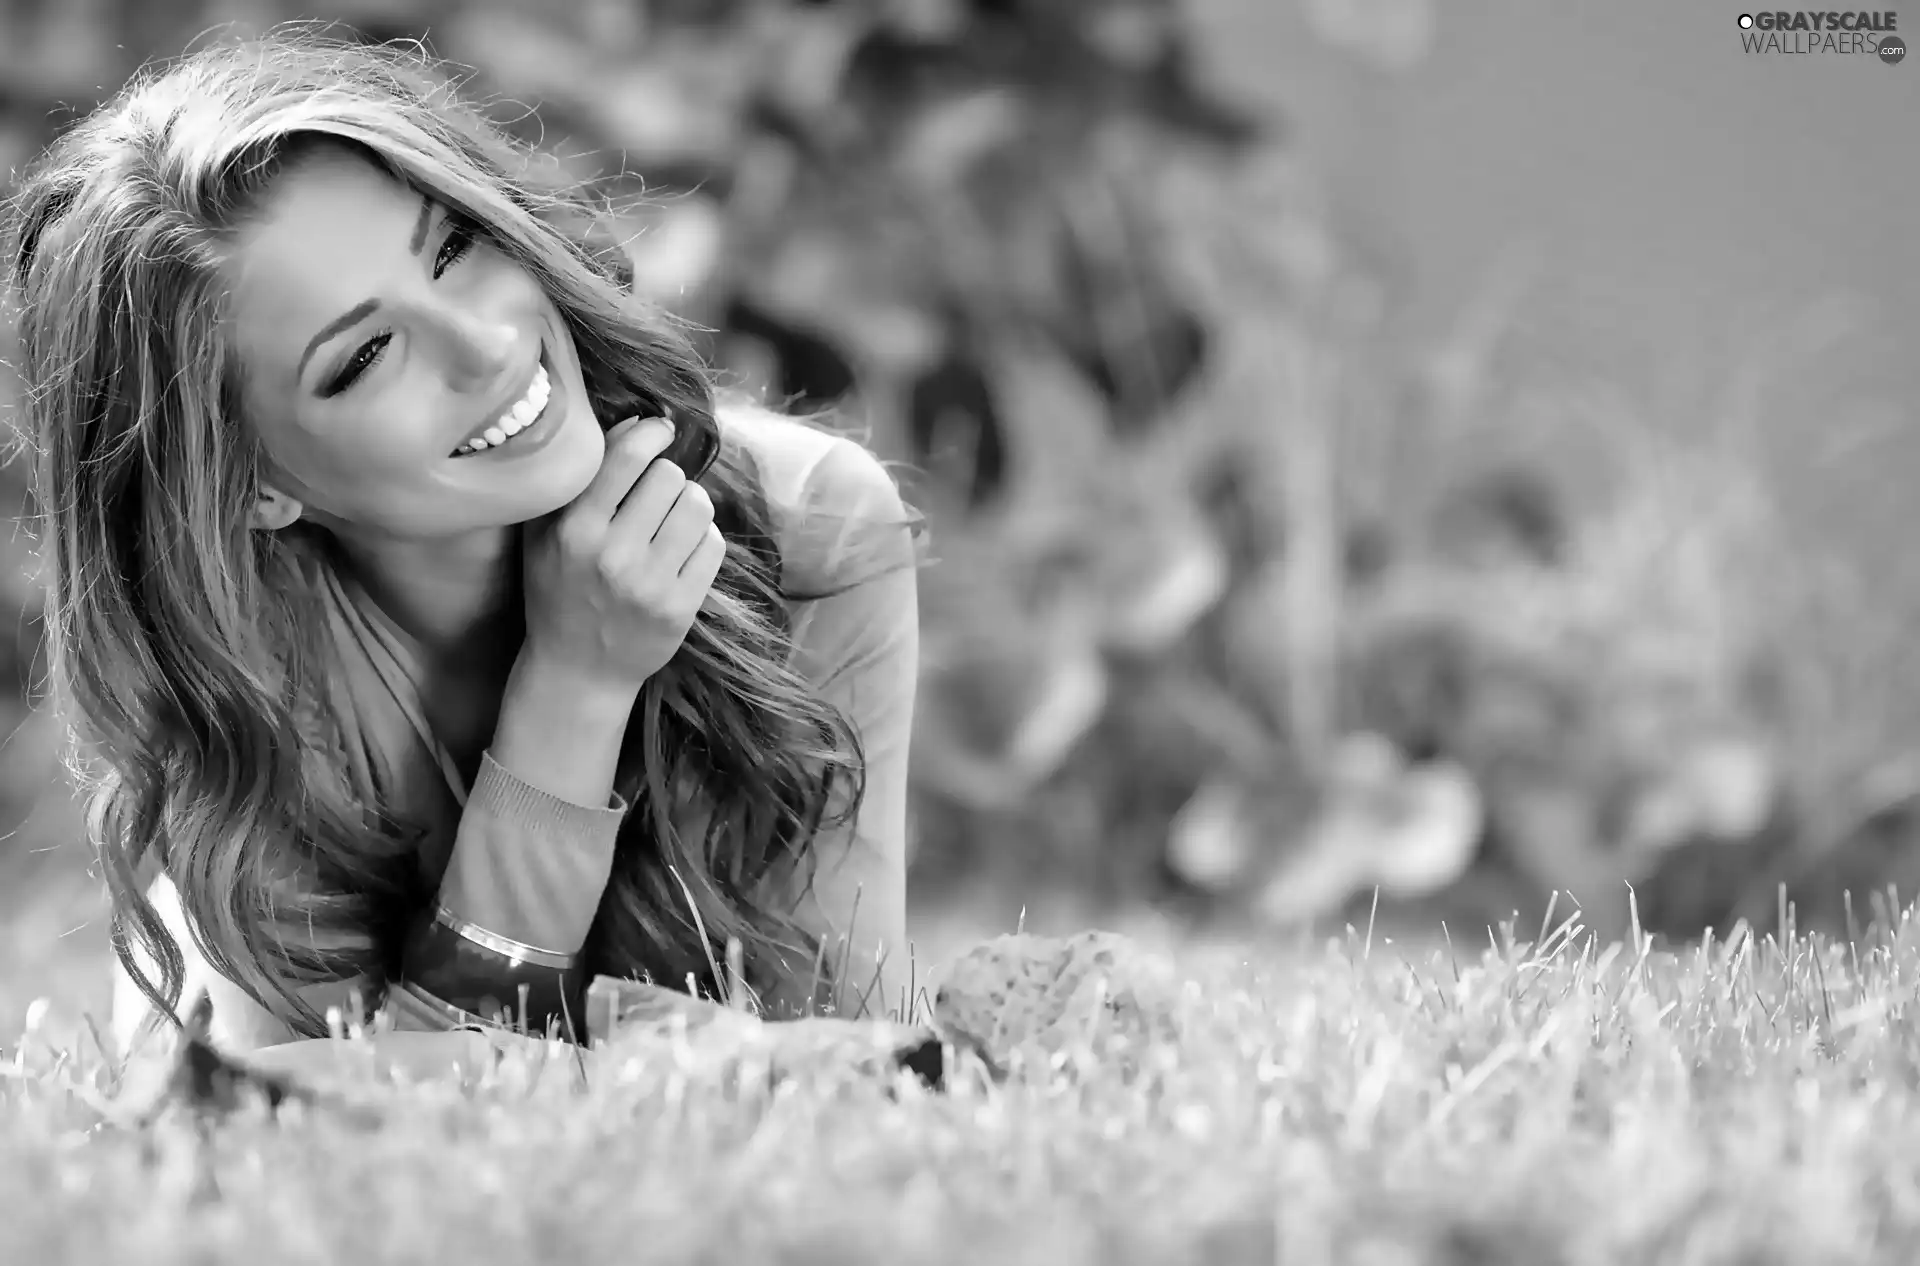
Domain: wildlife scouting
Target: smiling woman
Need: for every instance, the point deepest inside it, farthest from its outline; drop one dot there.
(382, 341)
(433, 640)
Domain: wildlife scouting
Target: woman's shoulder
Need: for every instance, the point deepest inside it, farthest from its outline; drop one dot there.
(832, 500)
(803, 465)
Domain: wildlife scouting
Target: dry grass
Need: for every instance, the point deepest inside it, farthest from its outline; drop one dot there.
(1533, 1102)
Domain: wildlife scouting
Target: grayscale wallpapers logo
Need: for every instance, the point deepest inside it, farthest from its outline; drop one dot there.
(1800, 33)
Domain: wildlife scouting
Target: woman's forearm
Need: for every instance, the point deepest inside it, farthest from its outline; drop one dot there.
(530, 859)
(561, 732)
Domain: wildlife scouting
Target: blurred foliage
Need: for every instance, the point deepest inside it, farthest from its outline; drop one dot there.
(1183, 643)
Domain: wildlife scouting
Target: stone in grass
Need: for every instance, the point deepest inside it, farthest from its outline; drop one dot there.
(1018, 996)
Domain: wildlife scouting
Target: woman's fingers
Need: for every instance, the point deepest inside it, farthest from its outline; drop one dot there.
(683, 527)
(649, 506)
(703, 564)
(631, 448)
(616, 586)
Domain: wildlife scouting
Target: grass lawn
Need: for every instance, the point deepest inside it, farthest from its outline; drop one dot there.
(1534, 1100)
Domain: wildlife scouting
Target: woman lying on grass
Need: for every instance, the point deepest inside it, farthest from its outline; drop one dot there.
(436, 640)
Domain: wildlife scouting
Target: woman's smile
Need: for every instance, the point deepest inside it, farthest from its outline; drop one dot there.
(524, 424)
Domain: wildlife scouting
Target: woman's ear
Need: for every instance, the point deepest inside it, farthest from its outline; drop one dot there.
(273, 510)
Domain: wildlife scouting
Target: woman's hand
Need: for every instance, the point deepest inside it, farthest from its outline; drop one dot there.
(614, 581)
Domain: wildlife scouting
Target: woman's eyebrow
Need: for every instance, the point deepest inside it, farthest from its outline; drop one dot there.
(359, 311)
(420, 225)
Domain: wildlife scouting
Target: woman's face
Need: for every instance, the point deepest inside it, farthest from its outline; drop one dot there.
(405, 378)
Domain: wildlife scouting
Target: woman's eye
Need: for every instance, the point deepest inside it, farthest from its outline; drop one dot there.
(459, 241)
(365, 358)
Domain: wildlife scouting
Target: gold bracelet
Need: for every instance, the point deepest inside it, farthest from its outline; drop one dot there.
(506, 947)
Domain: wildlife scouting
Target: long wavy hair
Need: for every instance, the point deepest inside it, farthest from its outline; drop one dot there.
(178, 642)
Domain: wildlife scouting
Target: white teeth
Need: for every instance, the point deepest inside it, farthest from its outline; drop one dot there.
(515, 420)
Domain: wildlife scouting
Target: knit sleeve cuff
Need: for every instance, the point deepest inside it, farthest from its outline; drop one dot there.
(527, 865)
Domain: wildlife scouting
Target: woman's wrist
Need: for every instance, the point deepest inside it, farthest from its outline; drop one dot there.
(561, 730)
(468, 974)
(592, 697)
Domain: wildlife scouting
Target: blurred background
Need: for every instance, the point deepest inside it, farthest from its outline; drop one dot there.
(1454, 455)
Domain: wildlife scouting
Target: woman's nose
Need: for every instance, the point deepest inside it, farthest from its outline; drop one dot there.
(479, 348)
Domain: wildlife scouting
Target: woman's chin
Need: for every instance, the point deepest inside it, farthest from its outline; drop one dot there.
(572, 461)
(542, 482)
